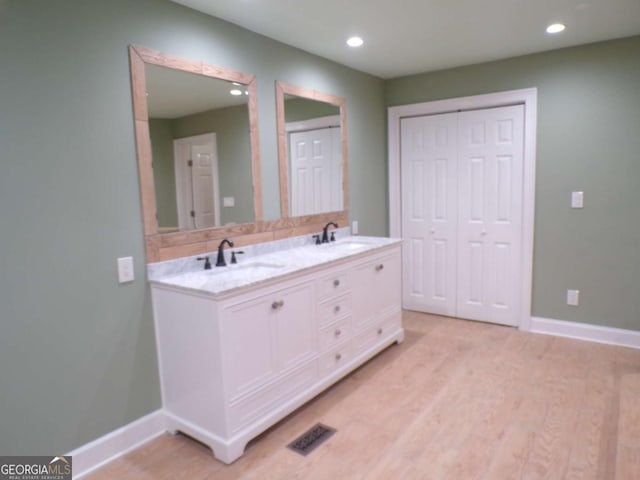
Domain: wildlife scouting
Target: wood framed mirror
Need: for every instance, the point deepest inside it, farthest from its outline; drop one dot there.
(312, 152)
(196, 128)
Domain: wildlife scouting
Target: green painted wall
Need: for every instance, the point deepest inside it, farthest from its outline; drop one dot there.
(77, 350)
(164, 174)
(298, 109)
(588, 139)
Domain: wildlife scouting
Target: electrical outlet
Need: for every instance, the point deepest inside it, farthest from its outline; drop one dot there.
(573, 297)
(354, 227)
(125, 269)
(577, 199)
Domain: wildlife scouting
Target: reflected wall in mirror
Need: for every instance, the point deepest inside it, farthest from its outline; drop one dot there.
(312, 150)
(197, 142)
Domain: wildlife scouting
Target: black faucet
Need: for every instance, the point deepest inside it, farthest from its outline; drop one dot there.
(220, 261)
(325, 236)
(207, 263)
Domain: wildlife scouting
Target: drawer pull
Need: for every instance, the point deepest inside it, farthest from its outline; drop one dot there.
(277, 305)
(337, 333)
(379, 267)
(336, 309)
(336, 283)
(338, 357)
(379, 331)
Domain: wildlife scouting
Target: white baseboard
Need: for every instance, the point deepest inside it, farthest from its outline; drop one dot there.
(97, 453)
(583, 331)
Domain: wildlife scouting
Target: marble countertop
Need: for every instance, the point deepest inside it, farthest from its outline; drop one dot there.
(262, 268)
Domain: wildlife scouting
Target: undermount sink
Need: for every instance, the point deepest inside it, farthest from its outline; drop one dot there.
(347, 245)
(256, 266)
(245, 268)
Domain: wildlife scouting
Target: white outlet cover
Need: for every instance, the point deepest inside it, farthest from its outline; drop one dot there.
(125, 269)
(229, 202)
(577, 199)
(573, 297)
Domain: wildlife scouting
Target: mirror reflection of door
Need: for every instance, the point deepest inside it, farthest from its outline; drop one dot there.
(196, 172)
(315, 166)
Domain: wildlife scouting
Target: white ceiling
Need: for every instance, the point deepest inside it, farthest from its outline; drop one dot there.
(403, 37)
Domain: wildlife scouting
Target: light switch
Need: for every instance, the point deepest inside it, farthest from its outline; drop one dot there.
(229, 202)
(577, 199)
(125, 269)
(354, 227)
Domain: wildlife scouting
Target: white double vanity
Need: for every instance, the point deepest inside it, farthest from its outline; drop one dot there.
(242, 346)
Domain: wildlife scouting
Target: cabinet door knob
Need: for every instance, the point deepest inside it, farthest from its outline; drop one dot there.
(338, 356)
(379, 267)
(379, 331)
(336, 309)
(337, 332)
(277, 305)
(336, 283)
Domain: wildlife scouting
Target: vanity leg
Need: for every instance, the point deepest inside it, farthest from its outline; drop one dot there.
(230, 453)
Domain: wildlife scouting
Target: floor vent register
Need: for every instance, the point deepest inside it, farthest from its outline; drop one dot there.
(311, 439)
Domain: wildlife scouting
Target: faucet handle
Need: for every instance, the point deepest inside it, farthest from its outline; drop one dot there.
(207, 263)
(317, 237)
(233, 255)
(333, 236)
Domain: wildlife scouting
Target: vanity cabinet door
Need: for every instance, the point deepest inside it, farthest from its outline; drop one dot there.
(376, 289)
(264, 336)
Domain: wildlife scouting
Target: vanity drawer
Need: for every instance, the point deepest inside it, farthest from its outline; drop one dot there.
(252, 407)
(335, 359)
(372, 335)
(331, 285)
(334, 309)
(335, 333)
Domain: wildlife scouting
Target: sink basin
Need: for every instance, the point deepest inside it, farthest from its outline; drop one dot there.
(245, 268)
(256, 266)
(347, 245)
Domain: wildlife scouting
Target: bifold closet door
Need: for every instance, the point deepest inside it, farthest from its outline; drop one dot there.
(429, 212)
(462, 213)
(490, 175)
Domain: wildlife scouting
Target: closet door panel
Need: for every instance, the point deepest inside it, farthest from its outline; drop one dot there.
(490, 160)
(429, 171)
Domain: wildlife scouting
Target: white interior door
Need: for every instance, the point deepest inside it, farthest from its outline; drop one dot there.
(314, 166)
(202, 179)
(196, 170)
(462, 213)
(429, 212)
(490, 166)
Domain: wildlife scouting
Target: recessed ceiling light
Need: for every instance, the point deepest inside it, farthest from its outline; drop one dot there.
(355, 42)
(235, 91)
(555, 28)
